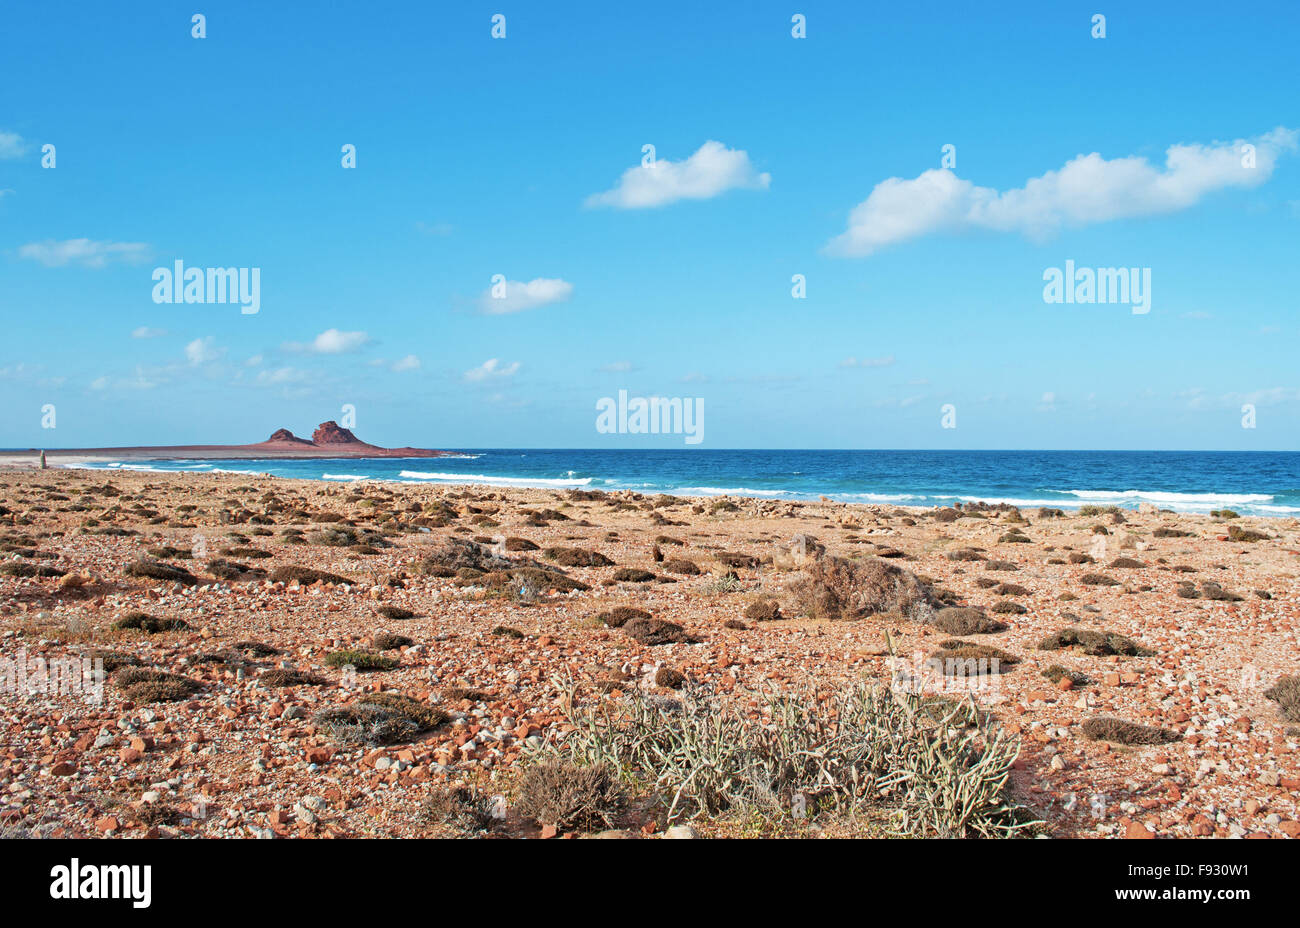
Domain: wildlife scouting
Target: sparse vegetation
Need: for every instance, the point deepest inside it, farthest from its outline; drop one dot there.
(863, 747)
(361, 661)
(1107, 728)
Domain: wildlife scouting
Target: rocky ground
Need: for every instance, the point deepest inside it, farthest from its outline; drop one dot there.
(234, 720)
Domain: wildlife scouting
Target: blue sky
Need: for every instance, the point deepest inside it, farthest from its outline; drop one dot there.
(478, 156)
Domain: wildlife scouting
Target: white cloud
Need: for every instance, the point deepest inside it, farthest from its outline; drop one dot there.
(83, 251)
(408, 363)
(145, 331)
(331, 341)
(491, 370)
(1087, 189)
(12, 145)
(280, 376)
(712, 170)
(203, 350)
(518, 296)
(886, 361)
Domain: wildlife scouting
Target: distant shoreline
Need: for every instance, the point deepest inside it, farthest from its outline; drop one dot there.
(72, 456)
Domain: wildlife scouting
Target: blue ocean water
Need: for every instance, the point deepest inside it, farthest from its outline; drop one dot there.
(1255, 483)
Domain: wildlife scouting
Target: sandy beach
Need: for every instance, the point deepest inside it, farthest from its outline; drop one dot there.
(1208, 605)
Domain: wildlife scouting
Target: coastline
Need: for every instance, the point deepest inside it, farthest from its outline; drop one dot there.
(1254, 484)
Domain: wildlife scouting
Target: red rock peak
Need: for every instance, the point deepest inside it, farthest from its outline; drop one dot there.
(331, 433)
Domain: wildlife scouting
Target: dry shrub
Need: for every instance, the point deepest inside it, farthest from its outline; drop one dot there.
(457, 553)
(1212, 590)
(139, 621)
(1286, 693)
(633, 575)
(965, 620)
(285, 676)
(458, 808)
(1098, 580)
(361, 661)
(763, 610)
(1097, 643)
(396, 613)
(576, 557)
(380, 718)
(1055, 672)
(157, 570)
(736, 561)
(387, 641)
(112, 661)
(21, 569)
(255, 648)
(142, 685)
(333, 537)
(1107, 728)
(528, 581)
(968, 659)
(650, 631)
(569, 796)
(858, 747)
(669, 678)
(1246, 535)
(305, 576)
(836, 588)
(621, 615)
(679, 565)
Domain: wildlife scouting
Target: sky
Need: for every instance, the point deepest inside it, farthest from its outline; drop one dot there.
(520, 160)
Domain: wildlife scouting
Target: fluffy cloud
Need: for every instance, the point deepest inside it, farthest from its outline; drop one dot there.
(12, 145)
(203, 350)
(712, 170)
(1088, 189)
(491, 369)
(145, 331)
(331, 341)
(518, 296)
(82, 251)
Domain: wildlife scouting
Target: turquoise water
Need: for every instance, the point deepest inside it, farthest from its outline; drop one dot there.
(1255, 483)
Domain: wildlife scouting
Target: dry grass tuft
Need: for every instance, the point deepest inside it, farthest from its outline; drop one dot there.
(837, 588)
(1120, 731)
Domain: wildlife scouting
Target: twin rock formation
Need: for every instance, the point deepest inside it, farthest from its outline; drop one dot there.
(327, 433)
(330, 439)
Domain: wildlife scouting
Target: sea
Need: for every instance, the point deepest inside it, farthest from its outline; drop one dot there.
(1250, 483)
